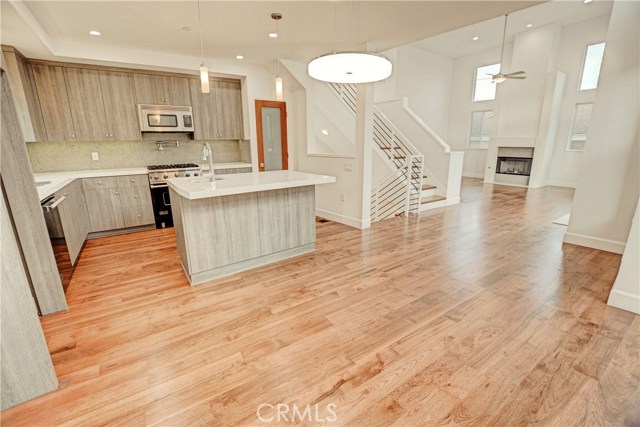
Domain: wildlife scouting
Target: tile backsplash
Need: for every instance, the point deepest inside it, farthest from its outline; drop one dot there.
(66, 156)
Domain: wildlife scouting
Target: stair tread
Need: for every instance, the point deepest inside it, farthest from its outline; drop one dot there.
(432, 199)
(428, 187)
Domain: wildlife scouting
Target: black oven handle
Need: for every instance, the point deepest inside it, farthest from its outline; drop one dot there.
(158, 185)
(164, 199)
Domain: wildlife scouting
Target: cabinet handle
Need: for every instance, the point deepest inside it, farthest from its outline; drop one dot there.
(133, 180)
(135, 195)
(106, 136)
(111, 136)
(139, 216)
(116, 192)
(99, 182)
(73, 135)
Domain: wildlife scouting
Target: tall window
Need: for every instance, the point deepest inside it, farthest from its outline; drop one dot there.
(579, 127)
(591, 67)
(480, 129)
(483, 89)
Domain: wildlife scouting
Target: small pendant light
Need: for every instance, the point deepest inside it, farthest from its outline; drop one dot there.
(204, 71)
(279, 90)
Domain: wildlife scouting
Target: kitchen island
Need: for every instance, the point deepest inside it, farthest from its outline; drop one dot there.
(243, 221)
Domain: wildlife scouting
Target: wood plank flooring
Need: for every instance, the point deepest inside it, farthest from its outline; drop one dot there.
(470, 315)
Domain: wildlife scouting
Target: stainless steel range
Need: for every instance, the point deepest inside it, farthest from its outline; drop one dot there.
(158, 175)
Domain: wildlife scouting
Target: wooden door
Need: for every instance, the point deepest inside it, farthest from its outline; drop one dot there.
(120, 105)
(203, 116)
(271, 124)
(227, 108)
(149, 89)
(54, 102)
(176, 90)
(87, 106)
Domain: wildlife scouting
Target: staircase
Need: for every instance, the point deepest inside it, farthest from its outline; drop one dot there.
(408, 188)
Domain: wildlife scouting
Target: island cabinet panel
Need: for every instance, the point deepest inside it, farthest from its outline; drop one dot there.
(120, 105)
(54, 102)
(284, 218)
(87, 106)
(74, 217)
(221, 230)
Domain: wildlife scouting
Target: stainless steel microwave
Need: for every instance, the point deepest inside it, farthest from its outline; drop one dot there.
(165, 118)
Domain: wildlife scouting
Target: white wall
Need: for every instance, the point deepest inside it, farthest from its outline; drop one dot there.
(462, 105)
(565, 164)
(425, 79)
(608, 183)
(625, 293)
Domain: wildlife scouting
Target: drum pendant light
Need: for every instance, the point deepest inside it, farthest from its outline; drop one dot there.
(350, 66)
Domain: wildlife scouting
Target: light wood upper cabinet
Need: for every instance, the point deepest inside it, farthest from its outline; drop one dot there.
(149, 89)
(152, 89)
(54, 102)
(87, 106)
(120, 105)
(217, 115)
(203, 116)
(176, 90)
(228, 110)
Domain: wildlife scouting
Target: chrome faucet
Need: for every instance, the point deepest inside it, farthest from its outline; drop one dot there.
(207, 153)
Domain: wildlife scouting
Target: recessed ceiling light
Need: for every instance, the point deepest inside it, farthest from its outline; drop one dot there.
(475, 38)
(239, 57)
(325, 132)
(94, 33)
(273, 35)
(186, 28)
(586, 1)
(529, 25)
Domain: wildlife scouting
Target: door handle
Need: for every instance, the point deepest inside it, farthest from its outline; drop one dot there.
(261, 165)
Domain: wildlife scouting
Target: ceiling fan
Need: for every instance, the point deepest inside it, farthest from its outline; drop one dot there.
(500, 77)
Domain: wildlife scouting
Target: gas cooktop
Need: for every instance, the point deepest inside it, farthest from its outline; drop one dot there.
(172, 167)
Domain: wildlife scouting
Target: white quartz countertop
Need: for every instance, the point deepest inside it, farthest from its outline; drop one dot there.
(57, 180)
(225, 185)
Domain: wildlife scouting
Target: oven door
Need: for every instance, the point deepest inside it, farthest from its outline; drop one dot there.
(161, 206)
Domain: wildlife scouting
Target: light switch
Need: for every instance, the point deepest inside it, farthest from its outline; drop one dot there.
(94, 155)
(348, 167)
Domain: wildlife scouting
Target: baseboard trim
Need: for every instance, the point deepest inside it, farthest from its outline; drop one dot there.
(624, 300)
(119, 231)
(343, 219)
(472, 175)
(594, 242)
(452, 201)
(564, 184)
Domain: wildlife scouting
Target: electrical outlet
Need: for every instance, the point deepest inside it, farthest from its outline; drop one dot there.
(94, 155)
(342, 197)
(348, 167)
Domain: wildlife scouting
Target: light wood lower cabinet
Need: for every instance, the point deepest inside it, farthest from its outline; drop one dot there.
(233, 170)
(74, 217)
(118, 202)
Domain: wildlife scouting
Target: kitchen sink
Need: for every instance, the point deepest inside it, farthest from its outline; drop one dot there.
(42, 183)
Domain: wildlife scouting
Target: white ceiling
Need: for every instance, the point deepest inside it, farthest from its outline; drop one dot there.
(460, 41)
(44, 29)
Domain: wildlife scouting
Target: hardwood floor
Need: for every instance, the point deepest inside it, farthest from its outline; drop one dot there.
(472, 315)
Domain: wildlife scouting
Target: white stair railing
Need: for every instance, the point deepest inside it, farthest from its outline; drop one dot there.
(400, 192)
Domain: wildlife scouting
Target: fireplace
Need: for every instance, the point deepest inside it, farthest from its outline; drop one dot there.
(514, 165)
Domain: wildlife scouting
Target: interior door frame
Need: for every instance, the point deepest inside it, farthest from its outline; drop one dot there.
(282, 106)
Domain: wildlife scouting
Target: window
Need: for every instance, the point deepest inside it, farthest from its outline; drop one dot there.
(480, 129)
(591, 67)
(484, 90)
(581, 117)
